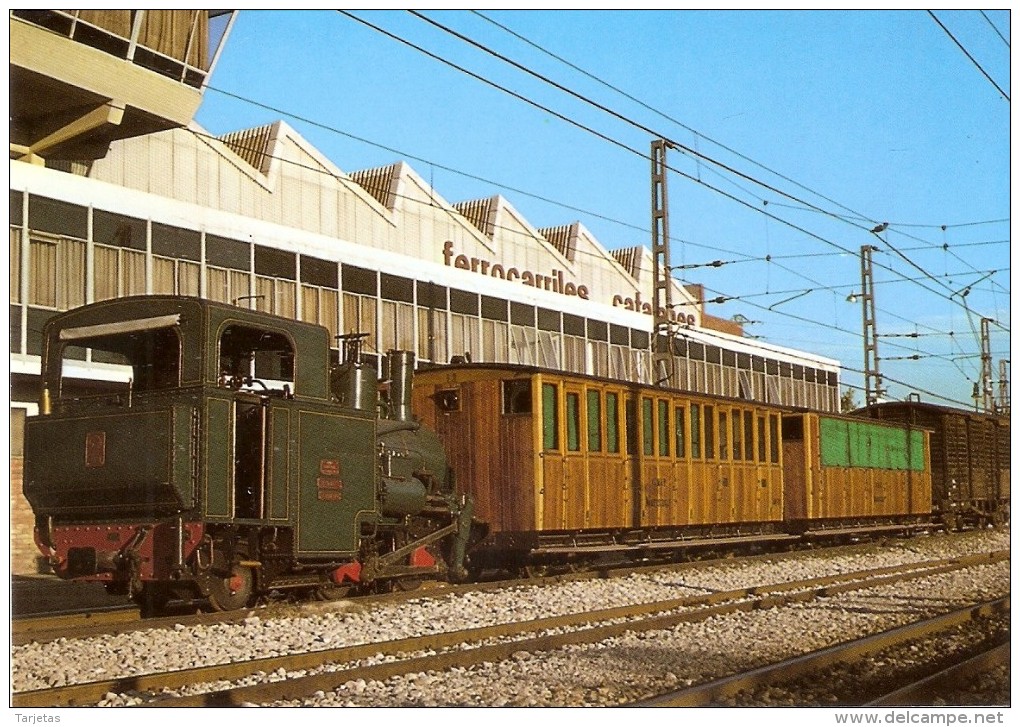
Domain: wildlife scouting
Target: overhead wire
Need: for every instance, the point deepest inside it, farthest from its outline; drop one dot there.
(591, 76)
(1001, 36)
(969, 56)
(818, 286)
(584, 99)
(685, 148)
(603, 136)
(666, 116)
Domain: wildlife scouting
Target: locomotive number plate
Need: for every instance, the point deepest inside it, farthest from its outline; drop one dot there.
(329, 467)
(330, 489)
(95, 449)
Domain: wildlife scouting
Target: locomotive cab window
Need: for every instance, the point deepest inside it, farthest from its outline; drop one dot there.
(144, 354)
(594, 412)
(256, 359)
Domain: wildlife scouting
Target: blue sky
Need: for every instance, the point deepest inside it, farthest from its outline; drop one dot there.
(813, 126)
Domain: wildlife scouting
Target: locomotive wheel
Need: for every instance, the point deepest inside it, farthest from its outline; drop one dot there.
(331, 592)
(407, 584)
(232, 592)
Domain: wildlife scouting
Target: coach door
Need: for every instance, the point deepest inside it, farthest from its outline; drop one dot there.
(633, 435)
(575, 463)
(553, 462)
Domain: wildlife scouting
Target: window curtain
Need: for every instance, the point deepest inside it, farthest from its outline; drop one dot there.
(169, 33)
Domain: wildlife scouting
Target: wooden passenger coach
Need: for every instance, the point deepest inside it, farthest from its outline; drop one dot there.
(567, 468)
(841, 472)
(567, 465)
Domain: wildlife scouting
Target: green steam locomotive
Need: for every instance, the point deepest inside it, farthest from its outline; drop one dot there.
(225, 456)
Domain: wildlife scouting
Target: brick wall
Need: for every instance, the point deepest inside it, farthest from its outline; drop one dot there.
(25, 557)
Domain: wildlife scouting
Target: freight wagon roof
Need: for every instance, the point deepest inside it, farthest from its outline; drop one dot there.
(927, 407)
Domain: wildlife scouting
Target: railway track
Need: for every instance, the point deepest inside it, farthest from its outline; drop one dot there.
(294, 676)
(125, 619)
(930, 689)
(83, 624)
(74, 625)
(838, 671)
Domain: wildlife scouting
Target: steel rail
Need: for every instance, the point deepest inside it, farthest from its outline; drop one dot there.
(699, 608)
(924, 691)
(707, 693)
(39, 628)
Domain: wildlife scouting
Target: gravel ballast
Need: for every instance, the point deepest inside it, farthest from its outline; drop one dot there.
(72, 661)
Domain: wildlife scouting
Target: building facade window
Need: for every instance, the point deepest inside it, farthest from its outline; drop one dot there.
(359, 317)
(15, 270)
(322, 306)
(56, 272)
(175, 277)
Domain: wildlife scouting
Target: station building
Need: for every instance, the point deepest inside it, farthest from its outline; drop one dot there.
(261, 219)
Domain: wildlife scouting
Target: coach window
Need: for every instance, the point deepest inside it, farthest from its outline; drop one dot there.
(761, 439)
(573, 422)
(724, 437)
(447, 400)
(646, 426)
(594, 417)
(696, 431)
(774, 438)
(679, 415)
(612, 422)
(630, 415)
(550, 418)
(738, 447)
(748, 436)
(709, 432)
(663, 428)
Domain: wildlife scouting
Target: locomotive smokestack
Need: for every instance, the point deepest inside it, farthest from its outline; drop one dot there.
(400, 365)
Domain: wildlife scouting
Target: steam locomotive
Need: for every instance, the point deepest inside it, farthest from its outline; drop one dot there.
(226, 458)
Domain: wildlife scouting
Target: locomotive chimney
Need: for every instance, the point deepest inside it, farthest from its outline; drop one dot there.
(400, 372)
(354, 382)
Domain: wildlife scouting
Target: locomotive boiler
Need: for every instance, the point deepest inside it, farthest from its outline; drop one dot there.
(222, 456)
